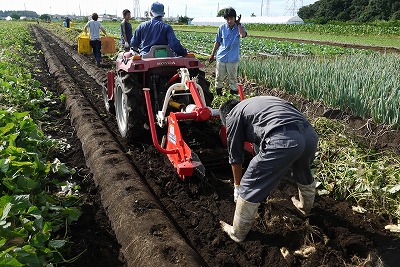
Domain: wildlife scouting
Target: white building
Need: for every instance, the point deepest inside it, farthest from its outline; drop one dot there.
(216, 21)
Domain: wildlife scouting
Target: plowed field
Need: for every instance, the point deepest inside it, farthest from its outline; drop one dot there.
(137, 212)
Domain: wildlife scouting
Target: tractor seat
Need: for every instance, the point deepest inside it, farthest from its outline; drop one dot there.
(157, 51)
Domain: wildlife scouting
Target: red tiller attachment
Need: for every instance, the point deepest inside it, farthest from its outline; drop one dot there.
(110, 85)
(247, 146)
(222, 133)
(178, 152)
(183, 160)
(240, 89)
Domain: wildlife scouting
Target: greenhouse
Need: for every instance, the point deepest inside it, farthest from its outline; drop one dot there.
(216, 21)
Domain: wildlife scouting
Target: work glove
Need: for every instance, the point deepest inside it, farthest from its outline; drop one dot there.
(236, 193)
(238, 19)
(126, 45)
(393, 228)
(306, 198)
(211, 59)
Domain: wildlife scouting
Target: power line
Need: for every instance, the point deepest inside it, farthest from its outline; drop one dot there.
(292, 6)
(136, 9)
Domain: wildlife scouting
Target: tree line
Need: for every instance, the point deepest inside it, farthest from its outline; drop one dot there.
(17, 14)
(323, 11)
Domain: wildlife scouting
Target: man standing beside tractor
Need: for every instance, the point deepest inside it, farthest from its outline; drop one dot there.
(227, 47)
(156, 32)
(285, 138)
(126, 29)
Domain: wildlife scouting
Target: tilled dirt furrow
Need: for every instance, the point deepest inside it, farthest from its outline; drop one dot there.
(146, 234)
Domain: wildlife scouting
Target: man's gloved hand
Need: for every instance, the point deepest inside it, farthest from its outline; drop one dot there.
(126, 45)
(211, 59)
(236, 193)
(393, 228)
(238, 19)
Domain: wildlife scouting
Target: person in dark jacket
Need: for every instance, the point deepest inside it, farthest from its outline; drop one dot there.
(285, 139)
(126, 29)
(67, 22)
(156, 32)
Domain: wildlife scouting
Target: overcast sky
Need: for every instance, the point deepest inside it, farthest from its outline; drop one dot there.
(191, 8)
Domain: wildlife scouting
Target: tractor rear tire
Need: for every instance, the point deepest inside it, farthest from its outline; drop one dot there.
(130, 109)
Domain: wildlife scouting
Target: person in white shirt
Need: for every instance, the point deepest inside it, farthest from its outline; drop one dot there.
(95, 27)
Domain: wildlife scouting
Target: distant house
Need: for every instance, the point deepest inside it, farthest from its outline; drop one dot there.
(216, 21)
(8, 18)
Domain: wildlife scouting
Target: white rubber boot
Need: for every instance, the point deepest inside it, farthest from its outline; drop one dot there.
(306, 198)
(245, 215)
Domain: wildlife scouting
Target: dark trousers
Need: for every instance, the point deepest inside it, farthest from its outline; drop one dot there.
(282, 149)
(96, 45)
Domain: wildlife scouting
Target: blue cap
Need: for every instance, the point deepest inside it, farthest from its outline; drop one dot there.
(157, 9)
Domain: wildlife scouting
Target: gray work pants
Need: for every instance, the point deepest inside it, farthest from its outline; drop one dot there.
(226, 69)
(286, 147)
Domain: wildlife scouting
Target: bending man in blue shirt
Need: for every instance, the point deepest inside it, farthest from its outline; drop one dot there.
(156, 32)
(227, 46)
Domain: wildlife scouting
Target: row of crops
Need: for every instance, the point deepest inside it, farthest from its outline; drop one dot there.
(331, 29)
(35, 204)
(324, 29)
(364, 85)
(251, 46)
(202, 42)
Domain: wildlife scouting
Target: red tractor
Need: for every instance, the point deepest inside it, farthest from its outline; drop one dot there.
(157, 91)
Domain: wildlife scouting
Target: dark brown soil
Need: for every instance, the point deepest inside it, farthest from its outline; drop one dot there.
(340, 237)
(92, 236)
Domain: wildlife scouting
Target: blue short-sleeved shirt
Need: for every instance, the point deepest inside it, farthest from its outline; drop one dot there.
(156, 32)
(229, 40)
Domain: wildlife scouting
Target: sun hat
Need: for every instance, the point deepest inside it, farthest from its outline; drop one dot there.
(157, 9)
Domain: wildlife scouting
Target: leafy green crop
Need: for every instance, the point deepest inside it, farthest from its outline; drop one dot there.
(17, 88)
(332, 29)
(347, 170)
(365, 85)
(253, 46)
(34, 205)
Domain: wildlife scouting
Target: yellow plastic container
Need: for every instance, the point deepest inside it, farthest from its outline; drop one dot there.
(84, 44)
(107, 45)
